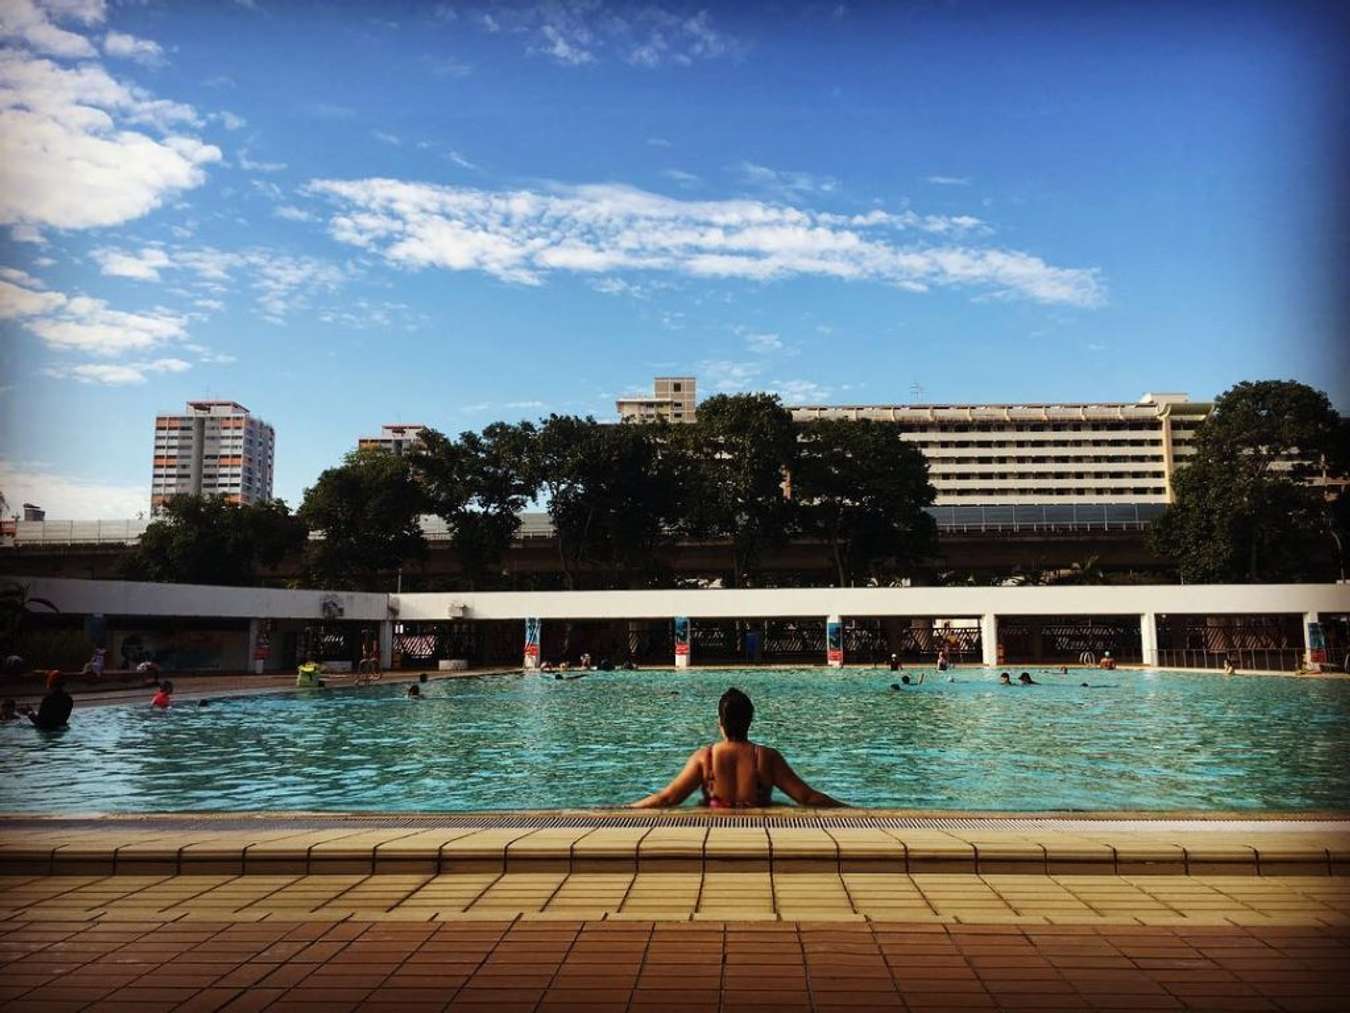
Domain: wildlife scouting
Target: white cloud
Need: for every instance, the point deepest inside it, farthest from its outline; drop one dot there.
(447, 66)
(800, 391)
(461, 161)
(294, 214)
(686, 179)
(386, 137)
(764, 344)
(87, 325)
(524, 236)
(18, 300)
(70, 159)
(949, 180)
(281, 283)
(574, 33)
(129, 47)
(229, 120)
(86, 12)
(116, 375)
(728, 377)
(144, 266)
(72, 497)
(18, 277)
(30, 23)
(362, 314)
(658, 142)
(249, 165)
(27, 234)
(79, 323)
(786, 183)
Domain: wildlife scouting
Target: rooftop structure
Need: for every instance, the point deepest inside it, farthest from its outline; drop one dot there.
(212, 448)
(397, 438)
(674, 398)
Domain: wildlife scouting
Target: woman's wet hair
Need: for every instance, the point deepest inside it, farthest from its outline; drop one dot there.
(736, 712)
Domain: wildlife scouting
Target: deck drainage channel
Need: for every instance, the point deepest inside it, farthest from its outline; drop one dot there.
(697, 820)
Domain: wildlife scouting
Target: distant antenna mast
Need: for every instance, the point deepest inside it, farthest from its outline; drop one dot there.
(916, 392)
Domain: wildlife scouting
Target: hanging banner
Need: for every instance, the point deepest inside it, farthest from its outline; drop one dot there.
(1317, 644)
(532, 628)
(834, 641)
(682, 641)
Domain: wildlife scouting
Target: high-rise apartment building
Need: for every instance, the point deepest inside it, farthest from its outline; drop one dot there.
(213, 448)
(397, 438)
(673, 398)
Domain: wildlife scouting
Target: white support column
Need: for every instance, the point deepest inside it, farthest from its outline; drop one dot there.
(254, 662)
(834, 642)
(1148, 639)
(989, 639)
(1314, 641)
(386, 645)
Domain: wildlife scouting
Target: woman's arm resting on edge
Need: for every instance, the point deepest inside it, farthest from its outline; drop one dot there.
(678, 790)
(786, 779)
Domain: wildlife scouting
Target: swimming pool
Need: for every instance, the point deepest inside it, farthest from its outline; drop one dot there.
(1161, 740)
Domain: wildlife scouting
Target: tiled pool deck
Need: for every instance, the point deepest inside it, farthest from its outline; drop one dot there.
(284, 914)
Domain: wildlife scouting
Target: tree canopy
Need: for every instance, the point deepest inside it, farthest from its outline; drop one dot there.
(861, 490)
(1243, 507)
(209, 540)
(613, 496)
(478, 485)
(741, 452)
(368, 510)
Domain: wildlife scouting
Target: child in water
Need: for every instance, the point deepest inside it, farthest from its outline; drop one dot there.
(164, 698)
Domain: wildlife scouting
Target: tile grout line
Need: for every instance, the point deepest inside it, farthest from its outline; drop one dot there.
(637, 871)
(642, 966)
(561, 963)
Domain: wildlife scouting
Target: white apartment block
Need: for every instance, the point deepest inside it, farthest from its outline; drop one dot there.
(673, 398)
(397, 438)
(1043, 454)
(213, 448)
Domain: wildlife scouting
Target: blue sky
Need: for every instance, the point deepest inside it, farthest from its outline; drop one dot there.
(343, 215)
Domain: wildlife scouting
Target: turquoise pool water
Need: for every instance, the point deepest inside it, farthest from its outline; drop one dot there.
(1143, 741)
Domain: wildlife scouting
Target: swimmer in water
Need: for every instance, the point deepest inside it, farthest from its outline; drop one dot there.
(907, 681)
(1026, 680)
(1005, 679)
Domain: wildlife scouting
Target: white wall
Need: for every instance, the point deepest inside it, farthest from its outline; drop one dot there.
(83, 597)
(1213, 599)
(127, 598)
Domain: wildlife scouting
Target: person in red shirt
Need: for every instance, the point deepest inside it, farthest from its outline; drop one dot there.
(164, 698)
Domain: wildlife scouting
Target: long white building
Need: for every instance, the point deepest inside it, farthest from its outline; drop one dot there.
(1043, 454)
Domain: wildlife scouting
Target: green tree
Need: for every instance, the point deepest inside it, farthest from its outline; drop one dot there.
(478, 485)
(613, 495)
(16, 605)
(209, 540)
(563, 457)
(742, 452)
(1243, 507)
(862, 490)
(368, 511)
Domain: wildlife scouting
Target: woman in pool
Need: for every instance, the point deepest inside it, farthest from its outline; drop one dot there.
(735, 773)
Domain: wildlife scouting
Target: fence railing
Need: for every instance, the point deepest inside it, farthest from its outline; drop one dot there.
(1271, 659)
